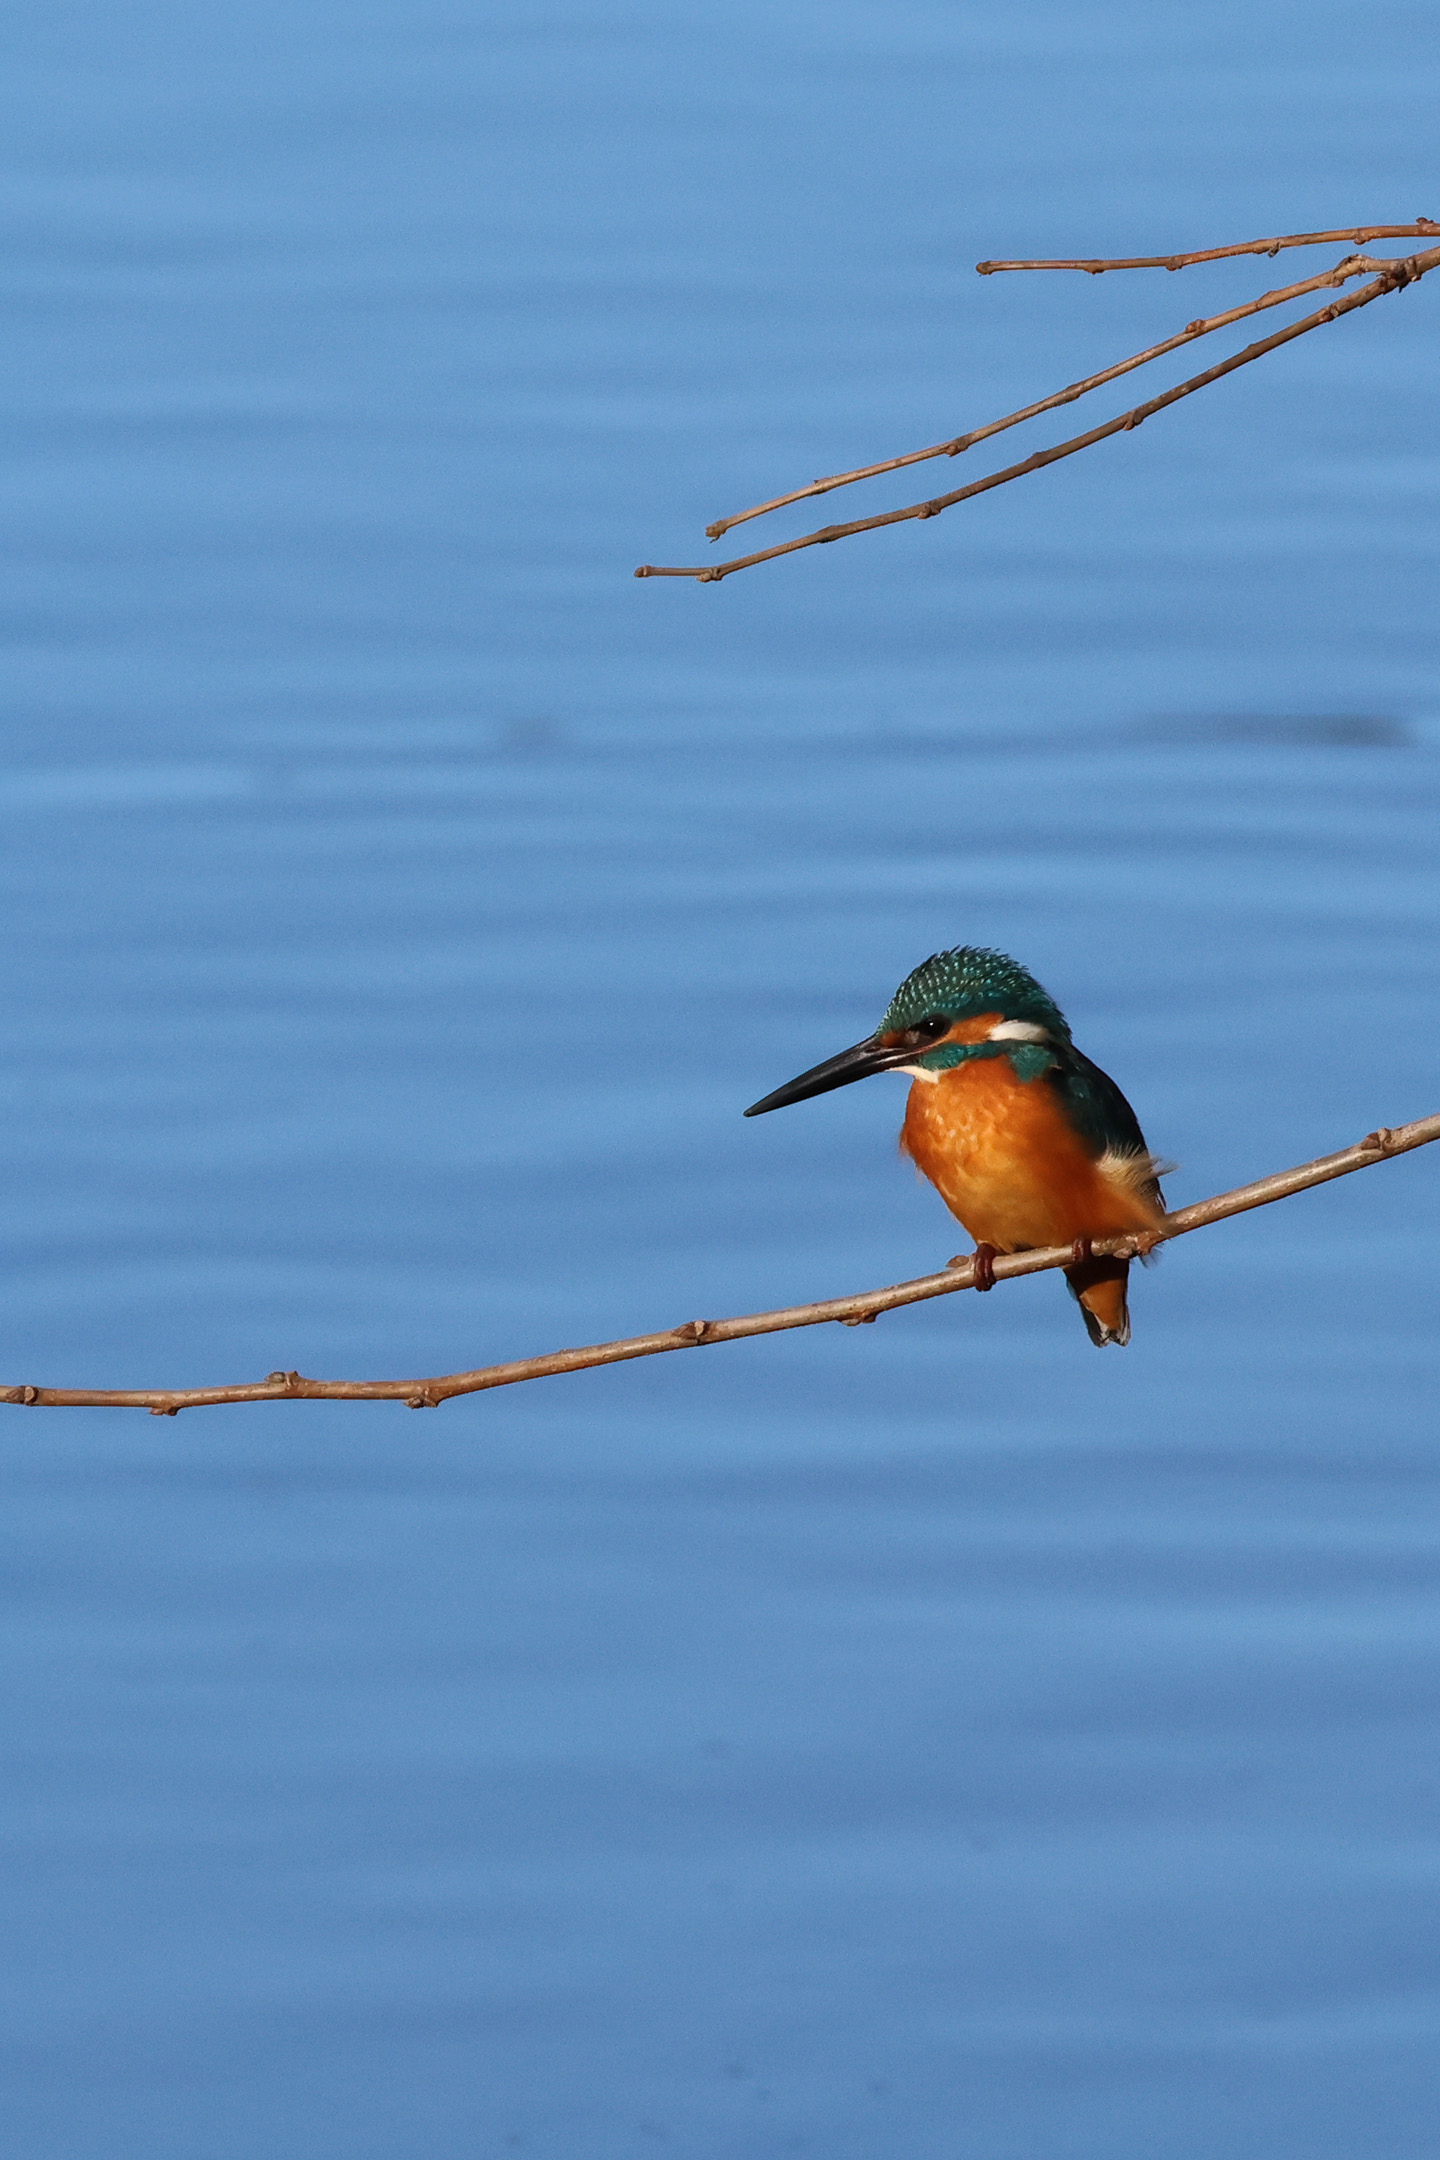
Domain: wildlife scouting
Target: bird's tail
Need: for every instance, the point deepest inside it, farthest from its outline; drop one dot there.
(1098, 1288)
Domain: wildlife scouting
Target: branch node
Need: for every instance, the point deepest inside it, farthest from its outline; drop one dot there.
(859, 1319)
(290, 1379)
(29, 1394)
(425, 1400)
(693, 1330)
(1379, 1142)
(164, 1409)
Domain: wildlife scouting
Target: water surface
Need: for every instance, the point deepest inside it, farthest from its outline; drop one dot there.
(920, 1739)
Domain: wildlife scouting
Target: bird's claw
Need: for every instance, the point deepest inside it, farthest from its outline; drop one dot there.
(982, 1260)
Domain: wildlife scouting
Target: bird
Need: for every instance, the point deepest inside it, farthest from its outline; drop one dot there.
(1026, 1141)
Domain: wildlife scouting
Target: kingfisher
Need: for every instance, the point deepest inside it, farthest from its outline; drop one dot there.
(1025, 1140)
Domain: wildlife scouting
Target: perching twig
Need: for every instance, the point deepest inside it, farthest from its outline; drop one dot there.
(860, 1306)
(1387, 276)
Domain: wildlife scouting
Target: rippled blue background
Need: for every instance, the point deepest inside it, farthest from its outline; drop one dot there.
(926, 1740)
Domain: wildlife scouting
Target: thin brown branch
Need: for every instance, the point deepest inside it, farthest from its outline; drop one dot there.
(851, 1311)
(1353, 266)
(1359, 236)
(1392, 277)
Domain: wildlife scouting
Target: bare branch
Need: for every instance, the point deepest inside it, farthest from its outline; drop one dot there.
(1352, 266)
(1392, 277)
(851, 1311)
(1419, 229)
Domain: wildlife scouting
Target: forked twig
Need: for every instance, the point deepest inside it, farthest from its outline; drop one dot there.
(851, 1311)
(1387, 276)
(1353, 266)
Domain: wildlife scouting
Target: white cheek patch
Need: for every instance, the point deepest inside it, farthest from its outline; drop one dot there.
(1018, 1031)
(918, 1072)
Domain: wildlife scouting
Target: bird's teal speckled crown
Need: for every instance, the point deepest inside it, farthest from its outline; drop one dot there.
(972, 979)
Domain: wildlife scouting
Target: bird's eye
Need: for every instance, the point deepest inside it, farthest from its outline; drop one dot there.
(928, 1030)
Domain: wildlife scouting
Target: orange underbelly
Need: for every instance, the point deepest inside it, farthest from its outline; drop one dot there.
(1003, 1157)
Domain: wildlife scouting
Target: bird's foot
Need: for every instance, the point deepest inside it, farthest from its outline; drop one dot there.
(1081, 1251)
(982, 1260)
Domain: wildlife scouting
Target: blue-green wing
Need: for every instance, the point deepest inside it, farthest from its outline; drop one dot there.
(1095, 1106)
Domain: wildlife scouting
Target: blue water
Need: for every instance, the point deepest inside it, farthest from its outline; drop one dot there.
(927, 1739)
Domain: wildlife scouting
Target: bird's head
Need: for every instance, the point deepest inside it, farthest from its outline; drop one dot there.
(940, 1015)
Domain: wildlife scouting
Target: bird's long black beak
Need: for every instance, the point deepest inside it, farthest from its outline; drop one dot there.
(857, 1063)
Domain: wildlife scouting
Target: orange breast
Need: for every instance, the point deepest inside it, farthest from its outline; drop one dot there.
(1007, 1163)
